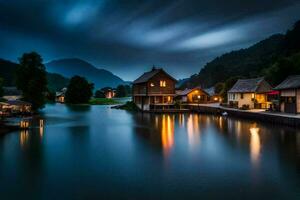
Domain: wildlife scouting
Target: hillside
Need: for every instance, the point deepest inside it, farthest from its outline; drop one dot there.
(7, 71)
(73, 66)
(257, 60)
(245, 62)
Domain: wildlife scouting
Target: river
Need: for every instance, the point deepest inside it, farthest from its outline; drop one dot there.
(94, 152)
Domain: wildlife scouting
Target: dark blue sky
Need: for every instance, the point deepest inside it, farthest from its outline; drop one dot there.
(128, 36)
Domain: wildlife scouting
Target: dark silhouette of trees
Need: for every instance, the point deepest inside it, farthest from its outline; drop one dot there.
(79, 90)
(31, 79)
(99, 94)
(1, 87)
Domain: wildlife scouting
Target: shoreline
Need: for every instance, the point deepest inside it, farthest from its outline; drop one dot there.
(258, 115)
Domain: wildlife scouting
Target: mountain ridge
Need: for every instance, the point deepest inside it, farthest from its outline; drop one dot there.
(69, 67)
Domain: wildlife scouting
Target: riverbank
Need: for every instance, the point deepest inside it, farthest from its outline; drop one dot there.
(254, 114)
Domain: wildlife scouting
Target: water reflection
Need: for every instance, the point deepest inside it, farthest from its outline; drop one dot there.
(167, 133)
(193, 129)
(255, 145)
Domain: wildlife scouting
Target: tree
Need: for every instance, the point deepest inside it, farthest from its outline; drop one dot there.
(228, 85)
(1, 87)
(219, 87)
(79, 90)
(31, 79)
(121, 91)
(99, 94)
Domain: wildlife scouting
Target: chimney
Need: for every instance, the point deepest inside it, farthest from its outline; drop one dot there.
(153, 68)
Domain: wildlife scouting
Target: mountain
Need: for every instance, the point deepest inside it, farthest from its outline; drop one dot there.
(275, 58)
(56, 81)
(7, 72)
(73, 66)
(245, 62)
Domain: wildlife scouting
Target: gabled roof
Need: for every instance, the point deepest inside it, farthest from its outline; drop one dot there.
(18, 102)
(148, 75)
(290, 82)
(250, 85)
(210, 91)
(187, 91)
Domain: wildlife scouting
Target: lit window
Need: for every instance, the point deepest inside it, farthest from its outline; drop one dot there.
(162, 83)
(152, 84)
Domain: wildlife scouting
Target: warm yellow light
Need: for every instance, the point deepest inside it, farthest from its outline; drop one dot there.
(252, 95)
(162, 83)
(255, 145)
(216, 99)
(152, 84)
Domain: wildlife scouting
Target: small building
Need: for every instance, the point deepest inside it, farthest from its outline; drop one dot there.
(109, 93)
(18, 106)
(60, 96)
(289, 92)
(154, 89)
(194, 95)
(11, 93)
(213, 96)
(249, 93)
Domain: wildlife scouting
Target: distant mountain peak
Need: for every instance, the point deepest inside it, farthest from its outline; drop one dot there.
(69, 67)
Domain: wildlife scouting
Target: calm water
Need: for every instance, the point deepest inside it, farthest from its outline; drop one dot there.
(100, 153)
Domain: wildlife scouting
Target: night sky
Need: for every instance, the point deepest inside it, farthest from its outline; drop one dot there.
(128, 38)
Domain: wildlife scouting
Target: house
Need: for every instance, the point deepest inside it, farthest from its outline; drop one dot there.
(249, 93)
(109, 93)
(194, 95)
(154, 89)
(213, 96)
(18, 106)
(289, 92)
(60, 96)
(11, 93)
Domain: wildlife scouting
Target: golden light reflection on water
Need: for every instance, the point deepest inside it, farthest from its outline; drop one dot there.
(24, 136)
(255, 145)
(167, 133)
(193, 130)
(181, 120)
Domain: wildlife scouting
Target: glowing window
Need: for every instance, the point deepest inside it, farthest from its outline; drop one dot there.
(162, 83)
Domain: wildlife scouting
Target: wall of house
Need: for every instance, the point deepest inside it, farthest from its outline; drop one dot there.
(192, 96)
(140, 88)
(154, 86)
(246, 100)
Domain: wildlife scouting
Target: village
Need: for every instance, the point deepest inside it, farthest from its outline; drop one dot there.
(155, 92)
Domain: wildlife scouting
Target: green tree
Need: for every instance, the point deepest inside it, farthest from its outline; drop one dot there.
(31, 79)
(219, 87)
(228, 85)
(99, 94)
(1, 87)
(121, 91)
(79, 90)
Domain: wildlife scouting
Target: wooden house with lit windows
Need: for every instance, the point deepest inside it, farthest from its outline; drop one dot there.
(154, 90)
(250, 94)
(289, 92)
(194, 95)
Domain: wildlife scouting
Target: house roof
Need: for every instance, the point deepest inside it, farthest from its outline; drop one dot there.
(18, 102)
(187, 91)
(210, 91)
(148, 75)
(249, 85)
(290, 82)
